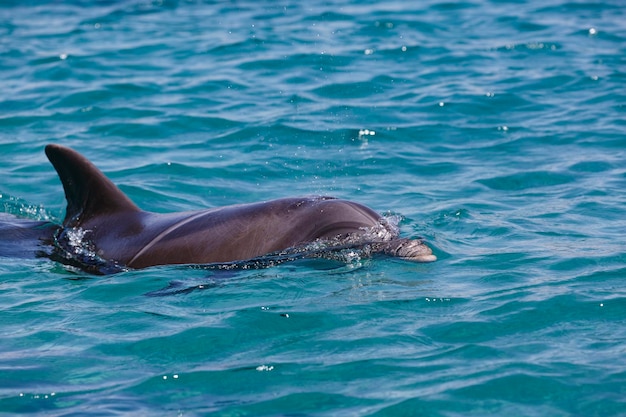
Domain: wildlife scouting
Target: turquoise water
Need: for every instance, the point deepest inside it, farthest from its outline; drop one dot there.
(497, 130)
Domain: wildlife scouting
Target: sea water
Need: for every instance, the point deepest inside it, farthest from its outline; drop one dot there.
(496, 130)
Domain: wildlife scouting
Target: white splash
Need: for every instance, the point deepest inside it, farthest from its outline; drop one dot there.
(75, 238)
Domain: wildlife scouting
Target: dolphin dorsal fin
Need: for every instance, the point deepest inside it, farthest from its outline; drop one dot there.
(88, 191)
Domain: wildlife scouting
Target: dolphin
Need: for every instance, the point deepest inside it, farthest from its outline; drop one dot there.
(21, 238)
(102, 223)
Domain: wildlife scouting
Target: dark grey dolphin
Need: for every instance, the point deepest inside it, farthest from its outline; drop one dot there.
(21, 238)
(99, 216)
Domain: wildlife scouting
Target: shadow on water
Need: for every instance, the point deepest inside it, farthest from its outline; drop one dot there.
(218, 273)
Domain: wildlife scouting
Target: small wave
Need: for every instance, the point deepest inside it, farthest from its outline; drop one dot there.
(18, 207)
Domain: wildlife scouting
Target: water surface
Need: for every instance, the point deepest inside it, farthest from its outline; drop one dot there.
(495, 129)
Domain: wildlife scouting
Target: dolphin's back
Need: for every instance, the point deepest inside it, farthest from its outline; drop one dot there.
(246, 231)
